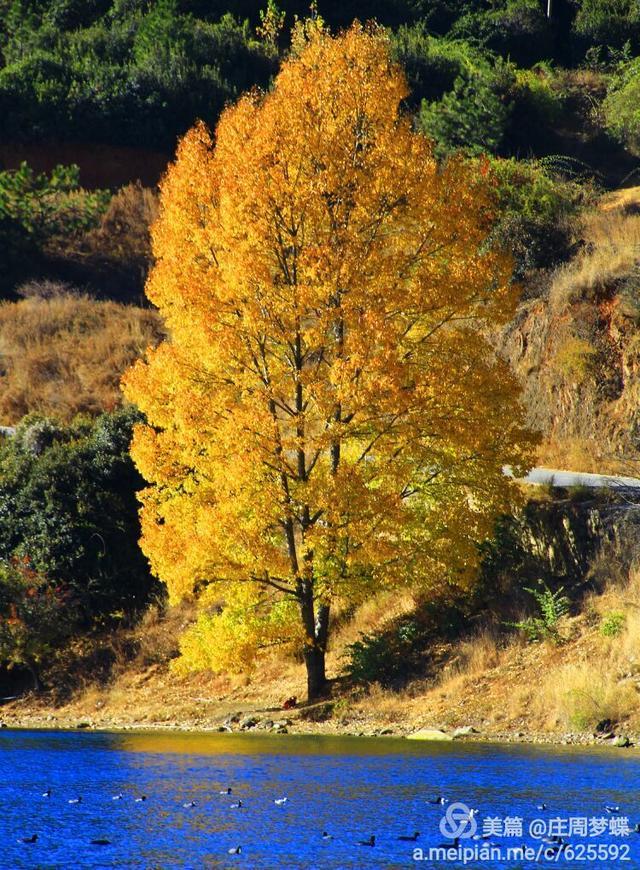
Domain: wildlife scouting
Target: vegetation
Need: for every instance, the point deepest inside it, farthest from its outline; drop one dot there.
(35, 617)
(552, 606)
(529, 118)
(63, 354)
(36, 208)
(300, 445)
(69, 513)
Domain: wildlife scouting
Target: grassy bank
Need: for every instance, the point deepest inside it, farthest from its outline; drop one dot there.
(581, 688)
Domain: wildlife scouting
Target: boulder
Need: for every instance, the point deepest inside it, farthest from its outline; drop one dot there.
(429, 734)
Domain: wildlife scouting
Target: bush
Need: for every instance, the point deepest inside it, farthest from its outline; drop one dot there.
(141, 74)
(116, 255)
(537, 212)
(432, 65)
(471, 117)
(608, 22)
(517, 29)
(612, 624)
(37, 208)
(383, 658)
(68, 508)
(621, 107)
(552, 606)
(35, 617)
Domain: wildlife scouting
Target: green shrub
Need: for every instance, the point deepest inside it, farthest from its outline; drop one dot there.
(35, 208)
(35, 617)
(552, 606)
(622, 105)
(432, 65)
(608, 22)
(140, 74)
(517, 29)
(471, 117)
(537, 211)
(384, 658)
(68, 507)
(612, 624)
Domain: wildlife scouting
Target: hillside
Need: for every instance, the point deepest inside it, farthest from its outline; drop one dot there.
(540, 111)
(488, 683)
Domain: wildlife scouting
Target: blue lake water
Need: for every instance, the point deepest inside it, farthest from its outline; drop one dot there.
(350, 787)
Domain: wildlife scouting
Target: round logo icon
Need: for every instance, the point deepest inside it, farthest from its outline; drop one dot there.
(458, 821)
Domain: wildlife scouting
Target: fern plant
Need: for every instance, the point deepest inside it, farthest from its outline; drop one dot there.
(551, 606)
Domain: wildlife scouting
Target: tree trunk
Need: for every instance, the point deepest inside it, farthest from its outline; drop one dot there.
(35, 676)
(316, 676)
(315, 649)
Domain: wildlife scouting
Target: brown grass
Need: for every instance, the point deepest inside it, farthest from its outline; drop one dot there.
(65, 355)
(611, 252)
(124, 230)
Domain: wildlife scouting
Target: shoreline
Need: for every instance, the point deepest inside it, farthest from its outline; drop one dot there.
(290, 724)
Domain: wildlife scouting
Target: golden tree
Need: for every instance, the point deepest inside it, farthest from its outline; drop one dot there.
(328, 417)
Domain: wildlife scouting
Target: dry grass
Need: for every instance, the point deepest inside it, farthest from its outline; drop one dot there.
(370, 616)
(124, 230)
(158, 633)
(611, 252)
(65, 355)
(580, 696)
(626, 199)
(600, 681)
(478, 654)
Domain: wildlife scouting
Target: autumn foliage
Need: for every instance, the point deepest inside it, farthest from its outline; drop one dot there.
(328, 417)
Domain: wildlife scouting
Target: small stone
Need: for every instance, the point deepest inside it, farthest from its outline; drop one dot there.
(386, 731)
(622, 741)
(248, 723)
(83, 725)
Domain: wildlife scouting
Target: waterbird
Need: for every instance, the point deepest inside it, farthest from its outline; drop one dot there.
(32, 839)
(410, 838)
(327, 836)
(438, 800)
(77, 800)
(117, 797)
(226, 791)
(280, 802)
(189, 804)
(236, 806)
(140, 799)
(235, 850)
(101, 841)
(47, 793)
(636, 828)
(541, 807)
(610, 808)
(453, 844)
(370, 842)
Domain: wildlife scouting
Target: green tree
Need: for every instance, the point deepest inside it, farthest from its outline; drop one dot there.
(35, 617)
(68, 505)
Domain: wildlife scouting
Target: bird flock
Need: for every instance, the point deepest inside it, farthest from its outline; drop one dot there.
(554, 842)
(32, 839)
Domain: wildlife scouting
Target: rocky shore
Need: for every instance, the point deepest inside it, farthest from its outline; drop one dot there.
(313, 719)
